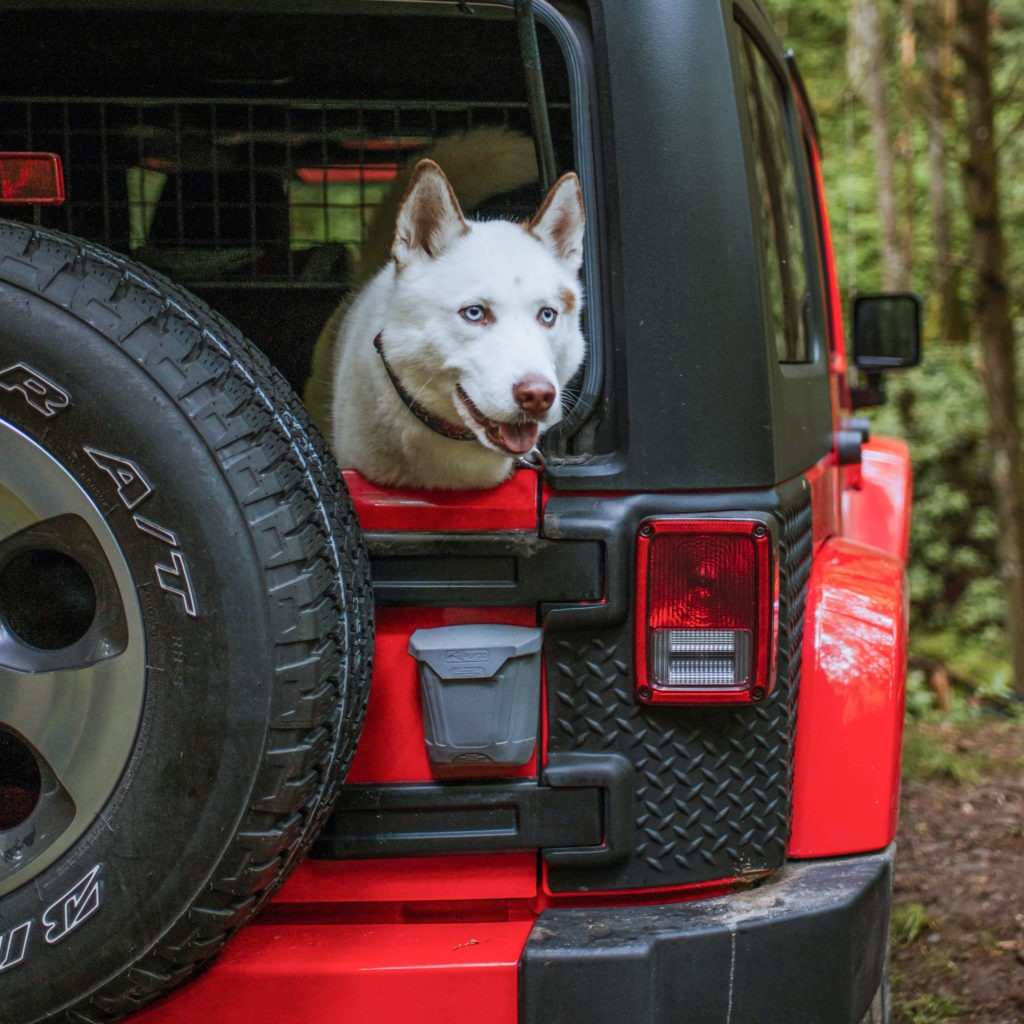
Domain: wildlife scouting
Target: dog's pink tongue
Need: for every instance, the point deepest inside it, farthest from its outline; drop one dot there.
(518, 438)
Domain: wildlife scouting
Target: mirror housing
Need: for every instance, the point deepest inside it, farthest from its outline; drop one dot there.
(887, 331)
(886, 336)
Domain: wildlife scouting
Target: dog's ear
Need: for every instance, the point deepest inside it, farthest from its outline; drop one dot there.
(559, 221)
(430, 217)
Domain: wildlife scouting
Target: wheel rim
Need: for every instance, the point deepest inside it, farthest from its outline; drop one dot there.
(72, 660)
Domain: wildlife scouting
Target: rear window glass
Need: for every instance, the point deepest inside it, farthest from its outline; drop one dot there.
(778, 207)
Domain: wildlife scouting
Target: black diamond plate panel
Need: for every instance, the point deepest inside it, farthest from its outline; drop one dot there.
(713, 787)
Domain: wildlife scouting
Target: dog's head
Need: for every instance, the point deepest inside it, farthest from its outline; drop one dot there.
(484, 326)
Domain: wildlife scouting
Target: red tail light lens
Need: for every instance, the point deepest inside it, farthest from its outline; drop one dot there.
(707, 611)
(31, 178)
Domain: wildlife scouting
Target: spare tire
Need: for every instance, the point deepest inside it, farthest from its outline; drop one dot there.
(185, 631)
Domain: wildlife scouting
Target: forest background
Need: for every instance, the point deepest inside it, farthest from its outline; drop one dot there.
(920, 107)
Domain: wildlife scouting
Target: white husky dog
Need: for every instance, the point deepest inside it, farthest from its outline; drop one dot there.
(451, 361)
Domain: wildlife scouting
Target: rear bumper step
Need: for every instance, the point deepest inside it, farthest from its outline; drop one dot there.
(807, 945)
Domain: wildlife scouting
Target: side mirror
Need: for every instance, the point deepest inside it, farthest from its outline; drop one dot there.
(886, 331)
(886, 336)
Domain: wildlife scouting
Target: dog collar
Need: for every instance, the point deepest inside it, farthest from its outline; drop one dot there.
(453, 431)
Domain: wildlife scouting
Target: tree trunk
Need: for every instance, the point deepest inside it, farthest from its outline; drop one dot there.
(905, 137)
(867, 65)
(992, 312)
(934, 28)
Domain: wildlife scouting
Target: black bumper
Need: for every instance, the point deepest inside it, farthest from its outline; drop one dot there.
(806, 947)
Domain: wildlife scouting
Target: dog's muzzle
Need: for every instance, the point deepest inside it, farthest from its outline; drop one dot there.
(514, 437)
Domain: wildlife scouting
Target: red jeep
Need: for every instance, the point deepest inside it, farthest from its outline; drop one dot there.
(631, 750)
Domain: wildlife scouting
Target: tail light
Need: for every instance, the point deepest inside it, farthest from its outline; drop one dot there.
(31, 178)
(707, 611)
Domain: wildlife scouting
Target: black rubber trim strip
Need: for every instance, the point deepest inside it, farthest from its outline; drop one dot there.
(581, 812)
(487, 569)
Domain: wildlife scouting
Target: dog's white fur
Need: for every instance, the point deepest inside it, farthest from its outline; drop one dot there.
(480, 322)
(480, 163)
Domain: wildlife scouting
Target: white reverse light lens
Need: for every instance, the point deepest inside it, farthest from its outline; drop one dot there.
(700, 658)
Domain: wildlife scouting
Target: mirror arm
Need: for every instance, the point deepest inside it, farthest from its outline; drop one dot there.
(871, 395)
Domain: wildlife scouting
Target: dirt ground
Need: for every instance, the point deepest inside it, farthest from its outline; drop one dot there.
(958, 923)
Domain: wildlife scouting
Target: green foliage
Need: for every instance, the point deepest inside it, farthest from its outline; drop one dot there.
(986, 667)
(907, 923)
(932, 1008)
(817, 32)
(958, 608)
(958, 611)
(925, 759)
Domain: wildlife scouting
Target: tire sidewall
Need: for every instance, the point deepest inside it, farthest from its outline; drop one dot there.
(209, 658)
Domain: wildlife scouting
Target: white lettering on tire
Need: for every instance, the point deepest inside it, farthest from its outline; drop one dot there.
(13, 945)
(37, 389)
(133, 488)
(58, 920)
(48, 398)
(132, 485)
(173, 578)
(76, 906)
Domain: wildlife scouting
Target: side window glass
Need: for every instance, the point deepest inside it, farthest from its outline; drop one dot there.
(779, 207)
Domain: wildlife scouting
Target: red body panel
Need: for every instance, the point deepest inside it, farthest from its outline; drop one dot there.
(849, 736)
(824, 481)
(837, 335)
(512, 506)
(877, 510)
(407, 880)
(318, 972)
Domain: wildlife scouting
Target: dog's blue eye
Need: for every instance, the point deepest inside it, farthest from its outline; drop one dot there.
(473, 314)
(547, 316)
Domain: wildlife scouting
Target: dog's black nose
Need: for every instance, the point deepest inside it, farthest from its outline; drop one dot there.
(534, 395)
